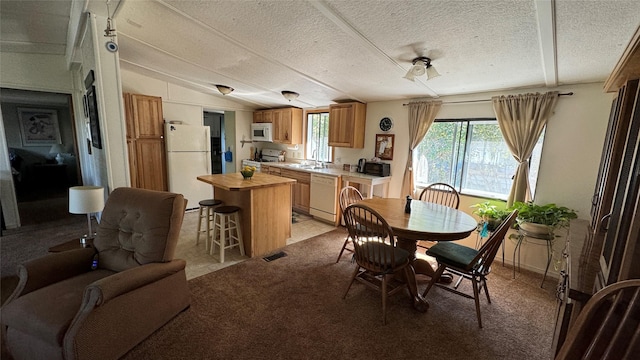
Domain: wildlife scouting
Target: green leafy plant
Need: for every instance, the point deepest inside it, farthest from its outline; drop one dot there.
(490, 213)
(549, 214)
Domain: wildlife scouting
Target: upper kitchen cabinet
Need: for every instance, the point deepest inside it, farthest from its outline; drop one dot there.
(346, 124)
(145, 141)
(287, 126)
(262, 116)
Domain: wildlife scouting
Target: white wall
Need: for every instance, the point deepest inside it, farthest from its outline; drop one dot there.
(108, 166)
(37, 72)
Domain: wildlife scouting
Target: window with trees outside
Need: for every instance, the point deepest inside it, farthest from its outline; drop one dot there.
(318, 148)
(471, 155)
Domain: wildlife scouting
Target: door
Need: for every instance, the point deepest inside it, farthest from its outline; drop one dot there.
(145, 139)
(151, 164)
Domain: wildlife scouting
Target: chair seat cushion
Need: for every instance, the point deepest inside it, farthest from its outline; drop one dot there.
(50, 319)
(375, 249)
(450, 253)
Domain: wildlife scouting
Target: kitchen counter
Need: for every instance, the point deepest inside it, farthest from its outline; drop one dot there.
(326, 171)
(368, 181)
(235, 181)
(265, 208)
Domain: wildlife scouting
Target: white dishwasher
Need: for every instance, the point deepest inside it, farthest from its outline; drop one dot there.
(324, 196)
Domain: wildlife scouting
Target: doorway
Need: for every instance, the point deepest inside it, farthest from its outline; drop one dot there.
(215, 121)
(40, 136)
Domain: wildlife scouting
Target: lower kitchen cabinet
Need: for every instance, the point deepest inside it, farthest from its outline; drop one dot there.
(301, 190)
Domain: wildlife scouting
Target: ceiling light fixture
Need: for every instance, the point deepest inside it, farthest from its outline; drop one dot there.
(290, 95)
(224, 89)
(421, 66)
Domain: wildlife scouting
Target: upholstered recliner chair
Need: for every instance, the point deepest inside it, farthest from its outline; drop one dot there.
(62, 309)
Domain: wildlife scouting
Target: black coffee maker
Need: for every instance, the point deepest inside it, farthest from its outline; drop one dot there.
(361, 164)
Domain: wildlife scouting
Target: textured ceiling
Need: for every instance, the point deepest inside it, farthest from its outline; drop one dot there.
(358, 49)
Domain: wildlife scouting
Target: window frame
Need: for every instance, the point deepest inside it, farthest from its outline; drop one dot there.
(307, 156)
(458, 177)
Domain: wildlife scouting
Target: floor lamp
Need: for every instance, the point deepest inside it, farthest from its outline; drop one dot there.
(86, 200)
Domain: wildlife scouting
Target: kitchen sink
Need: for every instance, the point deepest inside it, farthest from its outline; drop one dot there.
(305, 167)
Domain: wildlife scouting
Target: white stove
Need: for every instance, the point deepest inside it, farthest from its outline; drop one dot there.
(268, 155)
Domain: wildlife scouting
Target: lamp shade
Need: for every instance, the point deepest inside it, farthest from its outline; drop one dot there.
(86, 199)
(290, 95)
(224, 90)
(431, 72)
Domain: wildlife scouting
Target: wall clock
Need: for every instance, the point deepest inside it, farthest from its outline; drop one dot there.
(386, 124)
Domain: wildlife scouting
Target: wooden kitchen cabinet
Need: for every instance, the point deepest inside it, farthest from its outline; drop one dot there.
(347, 124)
(287, 123)
(301, 190)
(273, 170)
(262, 116)
(145, 142)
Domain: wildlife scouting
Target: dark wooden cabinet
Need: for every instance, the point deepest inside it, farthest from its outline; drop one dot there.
(607, 249)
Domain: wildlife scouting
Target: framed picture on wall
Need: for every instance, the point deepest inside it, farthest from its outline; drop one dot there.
(384, 146)
(85, 106)
(39, 126)
(94, 123)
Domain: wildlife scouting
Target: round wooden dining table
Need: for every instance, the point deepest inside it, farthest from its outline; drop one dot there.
(426, 221)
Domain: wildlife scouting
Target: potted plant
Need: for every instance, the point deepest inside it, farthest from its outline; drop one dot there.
(490, 214)
(542, 219)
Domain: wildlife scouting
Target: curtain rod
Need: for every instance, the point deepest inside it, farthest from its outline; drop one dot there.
(474, 101)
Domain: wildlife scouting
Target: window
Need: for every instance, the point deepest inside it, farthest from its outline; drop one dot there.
(472, 156)
(318, 137)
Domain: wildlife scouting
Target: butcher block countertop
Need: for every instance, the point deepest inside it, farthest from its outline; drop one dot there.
(235, 181)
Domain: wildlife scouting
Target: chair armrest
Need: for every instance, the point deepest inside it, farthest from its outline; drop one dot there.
(52, 268)
(123, 282)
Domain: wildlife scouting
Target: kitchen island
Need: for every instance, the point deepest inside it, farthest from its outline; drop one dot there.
(265, 203)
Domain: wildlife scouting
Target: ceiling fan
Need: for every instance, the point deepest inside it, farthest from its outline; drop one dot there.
(421, 66)
(420, 59)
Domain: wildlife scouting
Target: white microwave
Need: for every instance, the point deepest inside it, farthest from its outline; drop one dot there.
(262, 132)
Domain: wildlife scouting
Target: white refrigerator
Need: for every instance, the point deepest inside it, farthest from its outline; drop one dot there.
(188, 156)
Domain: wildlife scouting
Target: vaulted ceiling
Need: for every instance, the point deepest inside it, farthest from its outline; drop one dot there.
(335, 50)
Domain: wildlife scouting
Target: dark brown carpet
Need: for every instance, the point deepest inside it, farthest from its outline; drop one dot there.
(292, 308)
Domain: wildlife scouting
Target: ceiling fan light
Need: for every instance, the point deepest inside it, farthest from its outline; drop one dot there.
(410, 76)
(432, 72)
(224, 90)
(290, 95)
(418, 70)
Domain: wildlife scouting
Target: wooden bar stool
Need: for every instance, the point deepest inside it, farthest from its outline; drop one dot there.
(227, 229)
(206, 212)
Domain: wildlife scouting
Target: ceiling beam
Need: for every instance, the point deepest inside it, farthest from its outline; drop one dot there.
(547, 34)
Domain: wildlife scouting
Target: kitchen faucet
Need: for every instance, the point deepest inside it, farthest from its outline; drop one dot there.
(314, 154)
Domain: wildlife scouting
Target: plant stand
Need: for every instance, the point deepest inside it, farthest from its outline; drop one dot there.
(548, 238)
